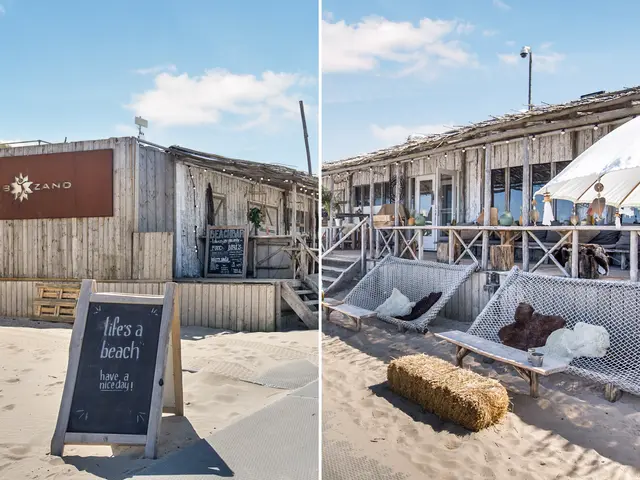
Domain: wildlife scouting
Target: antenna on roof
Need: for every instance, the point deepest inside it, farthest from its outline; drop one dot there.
(141, 122)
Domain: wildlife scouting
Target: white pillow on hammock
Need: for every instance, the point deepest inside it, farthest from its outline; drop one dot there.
(396, 305)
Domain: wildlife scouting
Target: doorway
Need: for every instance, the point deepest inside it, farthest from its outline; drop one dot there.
(425, 205)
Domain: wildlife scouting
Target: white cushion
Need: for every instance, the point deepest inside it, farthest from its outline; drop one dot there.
(396, 305)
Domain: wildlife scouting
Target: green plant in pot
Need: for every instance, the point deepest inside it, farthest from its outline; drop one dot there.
(327, 201)
(420, 220)
(256, 218)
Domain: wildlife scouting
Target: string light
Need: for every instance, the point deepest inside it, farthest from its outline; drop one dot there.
(562, 132)
(595, 127)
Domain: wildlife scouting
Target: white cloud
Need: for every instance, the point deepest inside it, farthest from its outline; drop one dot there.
(199, 100)
(426, 48)
(508, 58)
(395, 134)
(489, 33)
(510, 43)
(501, 5)
(156, 69)
(2, 10)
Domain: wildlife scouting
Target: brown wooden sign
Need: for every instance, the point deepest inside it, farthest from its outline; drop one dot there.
(57, 185)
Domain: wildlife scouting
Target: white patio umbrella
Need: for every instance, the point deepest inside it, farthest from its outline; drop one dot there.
(614, 161)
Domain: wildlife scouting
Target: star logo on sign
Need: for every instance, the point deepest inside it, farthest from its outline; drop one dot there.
(21, 188)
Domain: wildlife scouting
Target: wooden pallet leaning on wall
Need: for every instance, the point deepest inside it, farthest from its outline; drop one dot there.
(56, 302)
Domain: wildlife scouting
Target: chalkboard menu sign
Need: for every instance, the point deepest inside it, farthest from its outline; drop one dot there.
(115, 374)
(226, 251)
(114, 390)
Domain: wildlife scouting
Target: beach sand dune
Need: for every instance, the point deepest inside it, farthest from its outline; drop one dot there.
(32, 373)
(571, 431)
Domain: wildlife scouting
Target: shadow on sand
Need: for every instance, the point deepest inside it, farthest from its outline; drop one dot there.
(178, 436)
(567, 404)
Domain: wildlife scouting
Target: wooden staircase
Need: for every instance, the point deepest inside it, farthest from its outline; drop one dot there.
(304, 300)
(338, 271)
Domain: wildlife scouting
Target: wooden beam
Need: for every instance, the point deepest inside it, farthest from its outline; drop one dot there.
(331, 212)
(371, 199)
(575, 248)
(526, 201)
(396, 221)
(487, 205)
(633, 256)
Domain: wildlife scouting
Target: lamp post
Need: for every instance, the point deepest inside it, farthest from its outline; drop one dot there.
(524, 53)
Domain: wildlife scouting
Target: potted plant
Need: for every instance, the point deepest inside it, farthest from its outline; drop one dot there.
(411, 221)
(255, 218)
(327, 202)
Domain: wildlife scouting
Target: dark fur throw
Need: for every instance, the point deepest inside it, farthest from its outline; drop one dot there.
(530, 329)
(590, 257)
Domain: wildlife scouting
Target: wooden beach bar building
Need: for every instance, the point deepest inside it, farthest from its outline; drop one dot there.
(452, 177)
(133, 215)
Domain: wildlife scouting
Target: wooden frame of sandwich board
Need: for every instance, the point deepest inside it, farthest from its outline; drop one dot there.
(168, 364)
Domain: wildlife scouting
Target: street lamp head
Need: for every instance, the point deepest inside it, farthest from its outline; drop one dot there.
(525, 51)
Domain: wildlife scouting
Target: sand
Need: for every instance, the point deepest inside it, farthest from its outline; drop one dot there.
(32, 371)
(570, 431)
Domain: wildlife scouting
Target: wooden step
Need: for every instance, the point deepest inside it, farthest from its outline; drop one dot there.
(312, 302)
(305, 292)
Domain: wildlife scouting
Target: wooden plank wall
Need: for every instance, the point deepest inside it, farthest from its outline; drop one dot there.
(191, 210)
(152, 256)
(233, 306)
(548, 148)
(467, 303)
(76, 247)
(156, 199)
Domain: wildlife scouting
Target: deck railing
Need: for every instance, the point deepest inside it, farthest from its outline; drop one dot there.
(329, 235)
(410, 239)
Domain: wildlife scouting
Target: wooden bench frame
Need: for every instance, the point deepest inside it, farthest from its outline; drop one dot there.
(528, 372)
(354, 313)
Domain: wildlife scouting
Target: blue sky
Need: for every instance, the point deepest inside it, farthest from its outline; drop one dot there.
(219, 76)
(394, 67)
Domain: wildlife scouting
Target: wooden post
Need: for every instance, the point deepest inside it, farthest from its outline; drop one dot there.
(452, 247)
(294, 226)
(363, 249)
(396, 218)
(331, 214)
(350, 194)
(371, 251)
(526, 202)
(633, 255)
(420, 244)
(575, 248)
(487, 206)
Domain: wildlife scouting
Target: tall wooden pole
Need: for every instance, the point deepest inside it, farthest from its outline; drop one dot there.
(487, 206)
(396, 221)
(306, 136)
(371, 184)
(526, 201)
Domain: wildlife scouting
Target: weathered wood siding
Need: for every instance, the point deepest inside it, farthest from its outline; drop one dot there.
(152, 256)
(191, 187)
(156, 199)
(467, 303)
(76, 247)
(238, 307)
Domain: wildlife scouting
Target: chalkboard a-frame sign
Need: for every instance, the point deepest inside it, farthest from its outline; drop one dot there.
(124, 370)
(226, 251)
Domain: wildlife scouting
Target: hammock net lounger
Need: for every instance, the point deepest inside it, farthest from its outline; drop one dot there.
(612, 305)
(415, 279)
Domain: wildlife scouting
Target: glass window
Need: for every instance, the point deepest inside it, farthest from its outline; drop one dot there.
(377, 194)
(387, 192)
(357, 193)
(365, 195)
(563, 208)
(498, 187)
(515, 192)
(540, 176)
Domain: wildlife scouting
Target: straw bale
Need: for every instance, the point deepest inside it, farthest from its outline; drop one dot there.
(452, 393)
